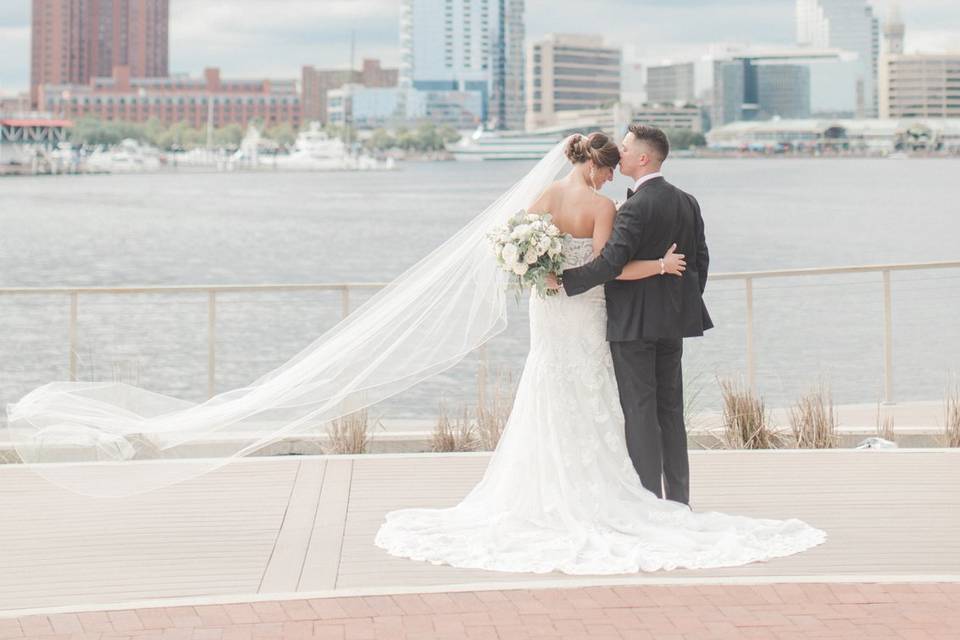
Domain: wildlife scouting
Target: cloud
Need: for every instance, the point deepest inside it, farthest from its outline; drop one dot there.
(14, 14)
(931, 41)
(244, 37)
(14, 58)
(680, 22)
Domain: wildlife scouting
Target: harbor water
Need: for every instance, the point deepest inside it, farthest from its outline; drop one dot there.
(298, 227)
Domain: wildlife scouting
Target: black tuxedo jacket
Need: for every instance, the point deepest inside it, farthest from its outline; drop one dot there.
(667, 306)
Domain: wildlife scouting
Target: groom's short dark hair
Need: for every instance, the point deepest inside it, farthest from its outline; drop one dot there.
(656, 138)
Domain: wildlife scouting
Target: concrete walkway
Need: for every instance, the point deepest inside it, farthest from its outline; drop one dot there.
(281, 528)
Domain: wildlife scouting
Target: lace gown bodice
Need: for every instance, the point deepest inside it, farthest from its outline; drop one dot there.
(560, 492)
(577, 251)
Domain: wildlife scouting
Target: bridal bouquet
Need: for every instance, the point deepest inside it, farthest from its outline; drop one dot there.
(529, 247)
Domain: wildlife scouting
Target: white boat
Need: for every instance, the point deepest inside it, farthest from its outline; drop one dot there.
(314, 150)
(487, 145)
(127, 157)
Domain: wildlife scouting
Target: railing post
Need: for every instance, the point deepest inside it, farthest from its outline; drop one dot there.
(751, 360)
(74, 302)
(482, 378)
(887, 339)
(211, 341)
(345, 300)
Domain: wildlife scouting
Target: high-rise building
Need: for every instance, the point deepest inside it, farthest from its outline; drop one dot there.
(849, 25)
(466, 45)
(570, 73)
(920, 86)
(670, 83)
(316, 83)
(507, 104)
(753, 89)
(73, 41)
(783, 91)
(916, 85)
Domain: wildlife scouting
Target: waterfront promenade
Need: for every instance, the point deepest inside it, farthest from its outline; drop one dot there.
(282, 547)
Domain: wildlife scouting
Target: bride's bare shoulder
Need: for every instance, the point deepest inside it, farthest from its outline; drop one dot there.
(602, 204)
(546, 199)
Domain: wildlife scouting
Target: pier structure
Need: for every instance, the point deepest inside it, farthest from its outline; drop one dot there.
(28, 144)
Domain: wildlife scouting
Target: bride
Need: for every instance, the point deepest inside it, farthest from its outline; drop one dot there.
(560, 492)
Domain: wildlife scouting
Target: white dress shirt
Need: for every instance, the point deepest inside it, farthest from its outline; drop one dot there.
(649, 176)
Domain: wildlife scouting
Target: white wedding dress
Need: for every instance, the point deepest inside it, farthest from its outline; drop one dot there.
(560, 492)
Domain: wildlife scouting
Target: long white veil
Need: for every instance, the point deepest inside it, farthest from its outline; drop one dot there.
(424, 322)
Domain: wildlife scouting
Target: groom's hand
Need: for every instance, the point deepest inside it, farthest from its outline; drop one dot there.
(552, 282)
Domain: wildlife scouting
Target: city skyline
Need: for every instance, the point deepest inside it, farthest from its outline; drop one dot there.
(311, 33)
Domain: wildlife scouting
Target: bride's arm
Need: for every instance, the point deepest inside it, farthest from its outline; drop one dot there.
(673, 263)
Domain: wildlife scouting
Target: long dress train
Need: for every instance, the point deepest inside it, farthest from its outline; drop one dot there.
(560, 492)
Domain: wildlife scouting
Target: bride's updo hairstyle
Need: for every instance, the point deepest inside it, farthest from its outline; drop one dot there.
(596, 146)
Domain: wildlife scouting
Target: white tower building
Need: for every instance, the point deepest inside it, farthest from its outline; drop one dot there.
(849, 25)
(466, 45)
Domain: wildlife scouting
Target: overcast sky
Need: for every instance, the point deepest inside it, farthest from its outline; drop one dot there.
(275, 37)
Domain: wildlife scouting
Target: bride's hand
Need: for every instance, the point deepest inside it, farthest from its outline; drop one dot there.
(674, 263)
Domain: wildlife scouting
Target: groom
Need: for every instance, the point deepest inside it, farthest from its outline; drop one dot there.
(648, 319)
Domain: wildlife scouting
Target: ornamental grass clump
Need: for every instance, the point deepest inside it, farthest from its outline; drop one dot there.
(349, 434)
(746, 424)
(814, 421)
(457, 435)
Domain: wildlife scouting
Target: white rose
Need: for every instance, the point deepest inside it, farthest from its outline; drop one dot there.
(552, 231)
(532, 217)
(510, 253)
(521, 232)
(520, 269)
(544, 244)
(531, 256)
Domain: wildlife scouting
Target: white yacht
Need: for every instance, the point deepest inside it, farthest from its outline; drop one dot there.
(314, 150)
(488, 145)
(127, 157)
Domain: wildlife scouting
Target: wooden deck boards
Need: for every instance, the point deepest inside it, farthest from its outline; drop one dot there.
(306, 523)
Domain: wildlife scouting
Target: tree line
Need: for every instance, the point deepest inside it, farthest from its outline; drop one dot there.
(182, 136)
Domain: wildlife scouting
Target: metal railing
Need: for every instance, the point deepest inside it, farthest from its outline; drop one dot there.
(884, 269)
(747, 277)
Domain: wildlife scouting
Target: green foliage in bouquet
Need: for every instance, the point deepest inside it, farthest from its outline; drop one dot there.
(529, 247)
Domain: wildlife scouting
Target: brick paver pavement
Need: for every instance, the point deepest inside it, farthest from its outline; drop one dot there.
(764, 612)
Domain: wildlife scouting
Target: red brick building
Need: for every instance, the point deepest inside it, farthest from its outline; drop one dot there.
(73, 41)
(174, 99)
(315, 83)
